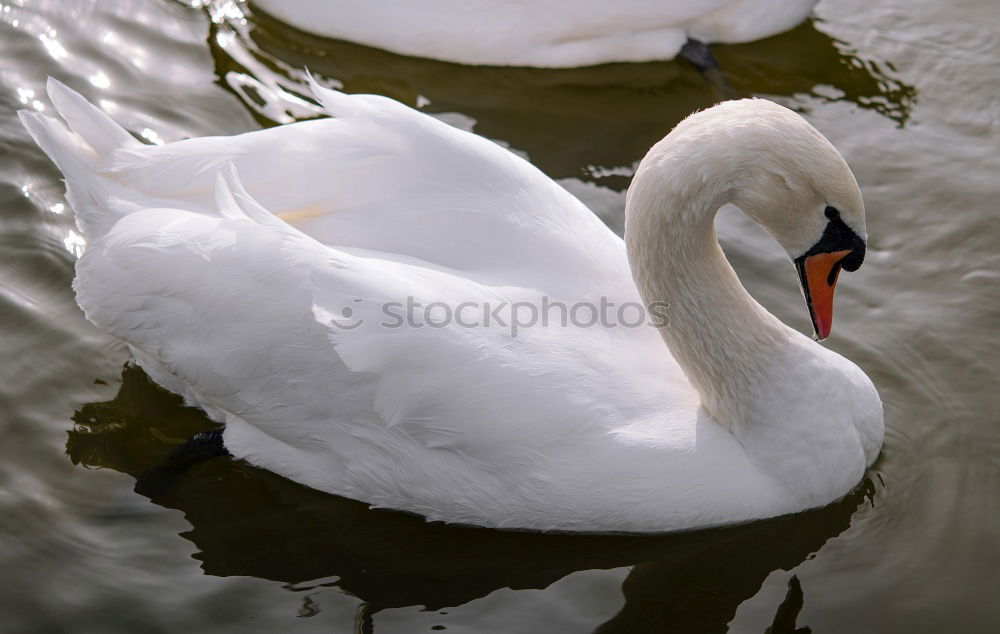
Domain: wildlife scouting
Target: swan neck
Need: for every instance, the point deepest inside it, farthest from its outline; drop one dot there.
(721, 337)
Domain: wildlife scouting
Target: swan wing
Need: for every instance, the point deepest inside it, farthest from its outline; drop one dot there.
(378, 175)
(243, 315)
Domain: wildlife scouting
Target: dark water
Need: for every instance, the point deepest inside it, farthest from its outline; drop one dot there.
(909, 90)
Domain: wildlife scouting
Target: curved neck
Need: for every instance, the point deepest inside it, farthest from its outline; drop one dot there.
(721, 337)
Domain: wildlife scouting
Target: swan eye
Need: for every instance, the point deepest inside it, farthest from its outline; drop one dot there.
(831, 212)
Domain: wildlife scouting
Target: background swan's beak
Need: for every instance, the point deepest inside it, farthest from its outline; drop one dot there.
(818, 276)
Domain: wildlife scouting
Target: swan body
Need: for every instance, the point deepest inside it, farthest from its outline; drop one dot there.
(545, 33)
(228, 265)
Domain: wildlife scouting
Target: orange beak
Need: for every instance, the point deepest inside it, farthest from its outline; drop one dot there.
(818, 275)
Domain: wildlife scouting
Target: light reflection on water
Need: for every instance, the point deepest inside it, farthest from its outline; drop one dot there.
(906, 90)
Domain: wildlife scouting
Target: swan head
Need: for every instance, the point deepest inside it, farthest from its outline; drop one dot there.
(785, 175)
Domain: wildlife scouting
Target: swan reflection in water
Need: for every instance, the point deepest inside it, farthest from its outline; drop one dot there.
(250, 522)
(602, 117)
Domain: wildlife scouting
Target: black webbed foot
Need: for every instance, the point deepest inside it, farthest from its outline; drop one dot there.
(198, 448)
(699, 55)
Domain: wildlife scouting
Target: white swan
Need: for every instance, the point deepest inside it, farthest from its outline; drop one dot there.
(579, 428)
(544, 33)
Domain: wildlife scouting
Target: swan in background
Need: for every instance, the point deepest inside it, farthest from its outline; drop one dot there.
(543, 33)
(251, 274)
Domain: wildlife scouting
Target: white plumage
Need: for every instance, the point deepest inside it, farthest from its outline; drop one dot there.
(544, 33)
(575, 428)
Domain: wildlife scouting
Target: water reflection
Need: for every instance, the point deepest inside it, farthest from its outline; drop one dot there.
(603, 117)
(250, 522)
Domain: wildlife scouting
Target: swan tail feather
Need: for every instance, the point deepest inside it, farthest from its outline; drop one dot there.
(97, 129)
(79, 145)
